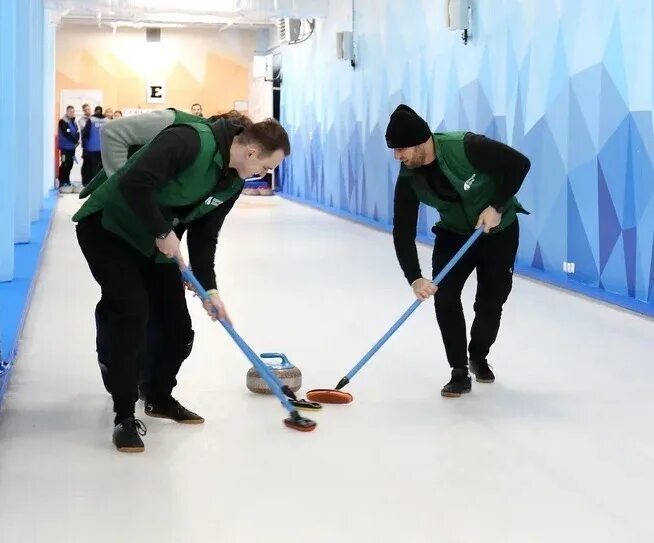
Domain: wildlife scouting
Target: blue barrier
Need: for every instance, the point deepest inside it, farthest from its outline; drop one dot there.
(15, 295)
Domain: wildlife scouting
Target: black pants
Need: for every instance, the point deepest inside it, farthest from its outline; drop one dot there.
(141, 316)
(67, 159)
(493, 256)
(91, 165)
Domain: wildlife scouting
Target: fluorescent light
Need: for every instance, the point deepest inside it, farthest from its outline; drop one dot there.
(189, 5)
(188, 18)
(143, 24)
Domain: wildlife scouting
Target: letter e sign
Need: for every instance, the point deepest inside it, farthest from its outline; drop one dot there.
(156, 93)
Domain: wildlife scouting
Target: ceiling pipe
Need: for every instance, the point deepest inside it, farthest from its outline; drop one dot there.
(255, 9)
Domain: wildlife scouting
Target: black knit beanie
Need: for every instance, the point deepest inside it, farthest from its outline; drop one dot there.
(406, 128)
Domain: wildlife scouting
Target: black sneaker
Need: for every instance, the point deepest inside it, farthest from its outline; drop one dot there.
(127, 435)
(459, 384)
(482, 371)
(172, 409)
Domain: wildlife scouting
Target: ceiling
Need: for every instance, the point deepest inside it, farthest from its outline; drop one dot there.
(186, 13)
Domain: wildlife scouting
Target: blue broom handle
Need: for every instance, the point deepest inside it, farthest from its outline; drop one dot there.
(439, 277)
(261, 368)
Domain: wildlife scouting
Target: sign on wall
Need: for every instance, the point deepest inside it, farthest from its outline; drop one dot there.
(156, 93)
(128, 112)
(78, 97)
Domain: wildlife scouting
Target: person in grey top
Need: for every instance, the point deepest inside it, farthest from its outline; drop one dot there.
(118, 136)
(120, 139)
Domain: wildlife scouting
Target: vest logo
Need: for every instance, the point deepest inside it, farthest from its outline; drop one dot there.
(211, 201)
(469, 182)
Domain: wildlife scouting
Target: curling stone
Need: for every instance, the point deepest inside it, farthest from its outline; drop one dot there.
(286, 372)
(251, 187)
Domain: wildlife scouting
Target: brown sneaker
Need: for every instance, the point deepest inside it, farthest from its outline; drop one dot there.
(173, 410)
(459, 384)
(127, 435)
(482, 371)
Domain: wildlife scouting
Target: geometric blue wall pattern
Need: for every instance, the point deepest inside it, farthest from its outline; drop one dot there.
(568, 83)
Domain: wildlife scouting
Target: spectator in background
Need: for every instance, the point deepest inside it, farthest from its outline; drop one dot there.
(117, 114)
(196, 109)
(86, 115)
(91, 144)
(86, 110)
(84, 119)
(68, 141)
(109, 113)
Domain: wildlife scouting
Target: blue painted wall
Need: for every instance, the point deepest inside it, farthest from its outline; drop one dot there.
(568, 83)
(26, 178)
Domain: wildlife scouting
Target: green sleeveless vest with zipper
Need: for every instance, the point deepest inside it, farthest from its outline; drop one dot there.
(476, 189)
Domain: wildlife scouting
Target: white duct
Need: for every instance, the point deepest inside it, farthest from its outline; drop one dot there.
(250, 9)
(298, 9)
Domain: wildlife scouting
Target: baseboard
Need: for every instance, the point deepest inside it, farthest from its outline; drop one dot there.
(565, 283)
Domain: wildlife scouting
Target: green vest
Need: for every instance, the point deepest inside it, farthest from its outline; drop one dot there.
(183, 117)
(476, 189)
(197, 185)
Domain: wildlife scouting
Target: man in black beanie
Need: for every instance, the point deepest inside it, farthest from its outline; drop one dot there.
(471, 180)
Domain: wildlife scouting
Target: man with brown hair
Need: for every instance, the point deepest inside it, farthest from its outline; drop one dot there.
(122, 138)
(189, 175)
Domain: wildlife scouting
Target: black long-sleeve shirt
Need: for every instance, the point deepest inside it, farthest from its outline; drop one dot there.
(201, 239)
(487, 156)
(171, 152)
